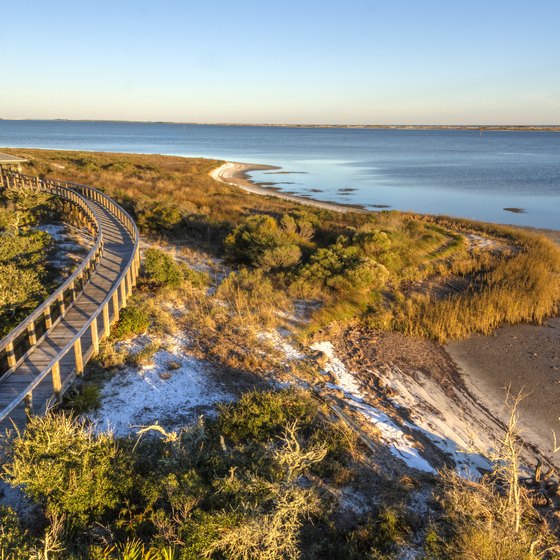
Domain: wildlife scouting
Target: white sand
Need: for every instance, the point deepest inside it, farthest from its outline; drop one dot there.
(141, 396)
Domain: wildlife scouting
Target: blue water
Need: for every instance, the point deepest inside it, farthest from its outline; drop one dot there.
(459, 173)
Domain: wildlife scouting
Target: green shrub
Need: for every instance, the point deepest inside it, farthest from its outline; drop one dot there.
(160, 217)
(161, 270)
(15, 542)
(24, 280)
(262, 416)
(372, 241)
(344, 269)
(194, 277)
(62, 464)
(133, 321)
(85, 398)
(26, 249)
(259, 241)
(19, 287)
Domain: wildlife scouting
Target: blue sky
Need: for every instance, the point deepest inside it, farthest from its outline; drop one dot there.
(306, 61)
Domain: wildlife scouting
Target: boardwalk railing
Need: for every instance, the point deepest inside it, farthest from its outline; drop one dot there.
(31, 331)
(22, 340)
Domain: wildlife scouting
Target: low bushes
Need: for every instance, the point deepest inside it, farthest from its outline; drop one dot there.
(262, 242)
(233, 487)
(160, 270)
(263, 416)
(68, 469)
(344, 269)
(24, 278)
(133, 320)
(15, 542)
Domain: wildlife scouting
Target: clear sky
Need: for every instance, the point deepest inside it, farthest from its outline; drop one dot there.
(282, 61)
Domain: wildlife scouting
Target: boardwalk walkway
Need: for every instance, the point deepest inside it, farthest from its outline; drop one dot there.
(45, 371)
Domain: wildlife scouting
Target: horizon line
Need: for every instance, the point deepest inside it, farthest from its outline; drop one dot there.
(299, 125)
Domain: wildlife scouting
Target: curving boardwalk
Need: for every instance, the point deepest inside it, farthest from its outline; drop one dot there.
(44, 354)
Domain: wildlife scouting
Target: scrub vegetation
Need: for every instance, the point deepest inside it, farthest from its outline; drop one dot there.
(25, 276)
(276, 474)
(259, 481)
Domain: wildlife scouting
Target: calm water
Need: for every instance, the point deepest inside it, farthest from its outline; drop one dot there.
(459, 173)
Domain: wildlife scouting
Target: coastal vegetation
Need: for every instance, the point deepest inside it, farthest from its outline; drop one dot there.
(26, 276)
(261, 480)
(437, 277)
(277, 473)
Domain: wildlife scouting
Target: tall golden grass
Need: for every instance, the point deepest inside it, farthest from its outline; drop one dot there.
(519, 286)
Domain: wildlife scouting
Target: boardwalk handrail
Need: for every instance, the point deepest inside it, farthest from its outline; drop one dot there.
(122, 285)
(25, 336)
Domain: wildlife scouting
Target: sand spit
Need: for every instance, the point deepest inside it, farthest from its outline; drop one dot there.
(233, 173)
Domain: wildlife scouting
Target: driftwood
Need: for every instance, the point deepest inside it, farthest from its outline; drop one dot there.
(543, 485)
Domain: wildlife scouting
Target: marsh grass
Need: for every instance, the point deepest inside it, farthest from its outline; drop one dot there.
(521, 285)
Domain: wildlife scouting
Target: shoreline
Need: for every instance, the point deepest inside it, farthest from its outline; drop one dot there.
(526, 359)
(236, 174)
(343, 126)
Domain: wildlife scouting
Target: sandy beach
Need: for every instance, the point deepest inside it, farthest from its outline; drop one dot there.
(525, 358)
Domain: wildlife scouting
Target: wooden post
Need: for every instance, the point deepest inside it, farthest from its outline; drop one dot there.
(78, 356)
(48, 318)
(11, 355)
(106, 324)
(29, 405)
(62, 305)
(129, 282)
(94, 337)
(123, 291)
(115, 305)
(56, 381)
(31, 334)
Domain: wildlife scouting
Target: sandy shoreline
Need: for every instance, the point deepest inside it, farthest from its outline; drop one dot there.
(525, 358)
(235, 174)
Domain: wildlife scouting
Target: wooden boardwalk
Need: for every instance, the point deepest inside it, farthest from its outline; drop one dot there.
(45, 372)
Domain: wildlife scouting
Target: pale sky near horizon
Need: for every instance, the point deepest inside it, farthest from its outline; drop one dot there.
(306, 61)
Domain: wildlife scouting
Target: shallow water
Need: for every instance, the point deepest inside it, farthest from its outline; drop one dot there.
(460, 173)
